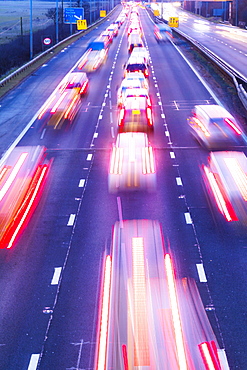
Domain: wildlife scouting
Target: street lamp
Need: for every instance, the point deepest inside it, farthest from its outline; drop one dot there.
(31, 30)
(236, 12)
(56, 21)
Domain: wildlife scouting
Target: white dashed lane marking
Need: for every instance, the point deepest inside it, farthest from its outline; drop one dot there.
(81, 183)
(71, 220)
(201, 273)
(33, 361)
(56, 275)
(188, 218)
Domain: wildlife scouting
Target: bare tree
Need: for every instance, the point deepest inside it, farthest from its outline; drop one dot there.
(51, 14)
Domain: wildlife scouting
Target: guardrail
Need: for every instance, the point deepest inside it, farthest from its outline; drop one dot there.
(37, 61)
(239, 81)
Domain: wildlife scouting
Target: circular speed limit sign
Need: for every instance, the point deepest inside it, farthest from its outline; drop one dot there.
(47, 41)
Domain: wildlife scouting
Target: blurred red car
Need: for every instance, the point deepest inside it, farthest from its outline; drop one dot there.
(22, 177)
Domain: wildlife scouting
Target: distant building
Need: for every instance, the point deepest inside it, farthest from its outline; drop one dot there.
(210, 9)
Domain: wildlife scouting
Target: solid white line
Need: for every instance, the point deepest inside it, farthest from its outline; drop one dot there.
(56, 275)
(71, 220)
(179, 181)
(112, 132)
(188, 218)
(198, 75)
(201, 273)
(223, 359)
(30, 123)
(18, 139)
(43, 134)
(89, 157)
(172, 154)
(81, 183)
(33, 361)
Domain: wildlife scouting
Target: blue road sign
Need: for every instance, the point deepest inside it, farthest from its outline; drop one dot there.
(71, 15)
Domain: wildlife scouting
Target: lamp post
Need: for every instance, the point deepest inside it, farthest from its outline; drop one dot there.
(56, 21)
(31, 30)
(236, 12)
(70, 25)
(90, 12)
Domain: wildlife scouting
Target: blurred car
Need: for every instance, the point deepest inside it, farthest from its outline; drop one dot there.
(132, 165)
(136, 64)
(134, 26)
(215, 128)
(114, 29)
(132, 92)
(92, 60)
(98, 44)
(144, 307)
(22, 177)
(75, 80)
(120, 19)
(64, 103)
(226, 176)
(162, 32)
(108, 36)
(132, 81)
(133, 76)
(133, 41)
(136, 115)
(141, 52)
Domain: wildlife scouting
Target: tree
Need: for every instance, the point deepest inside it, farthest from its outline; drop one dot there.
(51, 14)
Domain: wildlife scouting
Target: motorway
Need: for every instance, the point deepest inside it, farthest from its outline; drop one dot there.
(225, 41)
(54, 320)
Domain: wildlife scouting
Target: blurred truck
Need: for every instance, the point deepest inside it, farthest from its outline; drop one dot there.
(162, 32)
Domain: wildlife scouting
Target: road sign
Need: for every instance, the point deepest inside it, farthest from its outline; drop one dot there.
(102, 13)
(71, 15)
(81, 24)
(173, 22)
(156, 12)
(47, 41)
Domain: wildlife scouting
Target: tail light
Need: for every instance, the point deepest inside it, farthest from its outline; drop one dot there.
(146, 73)
(121, 117)
(222, 201)
(209, 355)
(66, 115)
(149, 116)
(53, 110)
(233, 126)
(84, 87)
(159, 35)
(49, 101)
